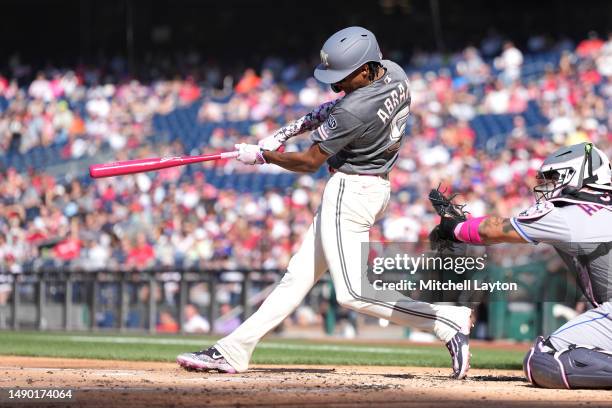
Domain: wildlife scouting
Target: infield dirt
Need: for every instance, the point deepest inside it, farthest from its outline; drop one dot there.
(103, 383)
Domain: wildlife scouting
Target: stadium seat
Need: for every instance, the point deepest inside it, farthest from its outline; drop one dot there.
(182, 125)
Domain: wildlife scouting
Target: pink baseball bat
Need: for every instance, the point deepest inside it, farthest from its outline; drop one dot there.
(157, 163)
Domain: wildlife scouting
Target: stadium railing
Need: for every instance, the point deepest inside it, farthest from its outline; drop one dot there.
(40, 298)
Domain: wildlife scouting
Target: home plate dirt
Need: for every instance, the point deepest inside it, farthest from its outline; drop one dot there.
(98, 383)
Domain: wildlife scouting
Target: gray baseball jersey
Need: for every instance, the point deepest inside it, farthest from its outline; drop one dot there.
(581, 233)
(364, 131)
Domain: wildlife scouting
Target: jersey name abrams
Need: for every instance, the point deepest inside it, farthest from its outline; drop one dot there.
(395, 98)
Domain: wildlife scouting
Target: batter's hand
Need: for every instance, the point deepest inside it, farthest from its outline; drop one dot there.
(249, 154)
(273, 142)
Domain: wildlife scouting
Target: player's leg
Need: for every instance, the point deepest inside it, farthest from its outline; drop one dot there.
(305, 268)
(351, 205)
(593, 327)
(577, 355)
(573, 367)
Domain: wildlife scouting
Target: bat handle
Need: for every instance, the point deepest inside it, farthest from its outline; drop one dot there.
(229, 155)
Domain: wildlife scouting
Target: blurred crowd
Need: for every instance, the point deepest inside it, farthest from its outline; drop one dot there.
(158, 219)
(82, 110)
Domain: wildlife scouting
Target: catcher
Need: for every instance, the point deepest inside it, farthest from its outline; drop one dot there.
(573, 213)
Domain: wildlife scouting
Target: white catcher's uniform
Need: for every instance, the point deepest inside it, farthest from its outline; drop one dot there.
(581, 232)
(363, 135)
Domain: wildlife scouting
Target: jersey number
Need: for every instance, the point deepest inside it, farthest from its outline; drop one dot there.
(398, 124)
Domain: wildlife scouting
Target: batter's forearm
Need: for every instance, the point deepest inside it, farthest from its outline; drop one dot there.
(496, 230)
(307, 161)
(310, 121)
(293, 161)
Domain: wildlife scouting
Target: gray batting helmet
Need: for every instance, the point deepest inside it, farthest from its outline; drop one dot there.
(346, 51)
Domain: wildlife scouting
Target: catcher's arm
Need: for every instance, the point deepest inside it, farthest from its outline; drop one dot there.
(455, 227)
(496, 230)
(310, 121)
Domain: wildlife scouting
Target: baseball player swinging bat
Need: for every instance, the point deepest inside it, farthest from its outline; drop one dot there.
(122, 168)
(359, 137)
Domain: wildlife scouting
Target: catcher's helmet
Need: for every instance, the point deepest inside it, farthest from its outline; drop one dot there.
(346, 51)
(574, 166)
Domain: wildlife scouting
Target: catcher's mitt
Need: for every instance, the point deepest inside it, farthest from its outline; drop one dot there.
(443, 235)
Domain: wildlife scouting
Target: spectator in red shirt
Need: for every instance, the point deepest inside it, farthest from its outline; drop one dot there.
(248, 82)
(167, 323)
(590, 47)
(70, 248)
(3, 84)
(141, 255)
(189, 91)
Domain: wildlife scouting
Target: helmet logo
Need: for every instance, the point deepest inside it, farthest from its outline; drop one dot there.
(324, 56)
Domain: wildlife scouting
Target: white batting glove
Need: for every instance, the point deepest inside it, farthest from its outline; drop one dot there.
(249, 154)
(273, 142)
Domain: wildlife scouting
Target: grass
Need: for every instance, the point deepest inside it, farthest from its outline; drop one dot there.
(275, 351)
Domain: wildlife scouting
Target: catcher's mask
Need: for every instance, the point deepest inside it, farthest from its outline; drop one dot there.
(573, 166)
(550, 183)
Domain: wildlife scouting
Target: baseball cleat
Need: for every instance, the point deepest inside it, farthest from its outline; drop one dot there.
(467, 321)
(205, 360)
(459, 349)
